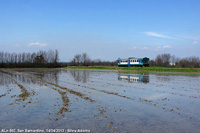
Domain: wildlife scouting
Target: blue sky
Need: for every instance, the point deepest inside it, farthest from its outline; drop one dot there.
(104, 29)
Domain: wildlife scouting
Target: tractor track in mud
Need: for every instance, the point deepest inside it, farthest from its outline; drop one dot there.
(103, 111)
(56, 85)
(25, 94)
(65, 99)
(146, 101)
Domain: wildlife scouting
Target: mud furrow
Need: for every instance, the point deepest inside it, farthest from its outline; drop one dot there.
(65, 101)
(25, 94)
(149, 102)
(56, 85)
(69, 90)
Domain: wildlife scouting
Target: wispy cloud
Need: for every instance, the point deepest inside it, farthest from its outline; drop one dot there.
(189, 37)
(133, 47)
(141, 48)
(195, 42)
(167, 46)
(37, 44)
(17, 45)
(144, 48)
(157, 35)
(162, 48)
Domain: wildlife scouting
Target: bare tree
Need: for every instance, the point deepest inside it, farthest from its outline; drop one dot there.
(56, 56)
(85, 59)
(163, 59)
(77, 59)
(39, 59)
(158, 60)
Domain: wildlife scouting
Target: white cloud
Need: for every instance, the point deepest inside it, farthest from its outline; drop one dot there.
(157, 48)
(17, 45)
(194, 39)
(37, 44)
(162, 48)
(144, 48)
(195, 42)
(156, 35)
(134, 47)
(167, 46)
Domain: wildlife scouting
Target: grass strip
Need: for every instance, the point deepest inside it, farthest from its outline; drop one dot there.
(155, 69)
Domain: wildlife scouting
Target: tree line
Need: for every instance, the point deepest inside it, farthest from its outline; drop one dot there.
(84, 60)
(167, 60)
(29, 60)
(161, 60)
(50, 59)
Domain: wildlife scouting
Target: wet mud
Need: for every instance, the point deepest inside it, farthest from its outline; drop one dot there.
(101, 101)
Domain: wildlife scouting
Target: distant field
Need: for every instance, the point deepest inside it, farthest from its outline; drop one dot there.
(155, 69)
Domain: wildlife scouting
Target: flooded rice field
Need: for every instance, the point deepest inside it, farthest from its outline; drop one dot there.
(98, 101)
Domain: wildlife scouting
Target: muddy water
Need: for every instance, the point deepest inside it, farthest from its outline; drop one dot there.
(98, 101)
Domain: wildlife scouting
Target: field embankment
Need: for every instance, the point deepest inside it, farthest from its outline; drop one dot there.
(154, 69)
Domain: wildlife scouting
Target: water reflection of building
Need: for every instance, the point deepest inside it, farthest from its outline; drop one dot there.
(134, 78)
(80, 75)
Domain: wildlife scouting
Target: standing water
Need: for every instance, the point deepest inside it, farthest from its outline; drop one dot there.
(67, 100)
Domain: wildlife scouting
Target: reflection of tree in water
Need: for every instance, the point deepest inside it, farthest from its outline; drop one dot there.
(4, 81)
(164, 78)
(9, 78)
(80, 75)
(50, 75)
